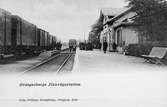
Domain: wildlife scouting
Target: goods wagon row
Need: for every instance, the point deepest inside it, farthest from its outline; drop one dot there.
(20, 36)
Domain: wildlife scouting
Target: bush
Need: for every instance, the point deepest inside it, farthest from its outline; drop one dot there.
(144, 49)
(138, 49)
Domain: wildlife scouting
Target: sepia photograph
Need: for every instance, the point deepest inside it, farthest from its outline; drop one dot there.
(83, 53)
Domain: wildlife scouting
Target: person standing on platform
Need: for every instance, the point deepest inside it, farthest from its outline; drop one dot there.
(105, 45)
(114, 46)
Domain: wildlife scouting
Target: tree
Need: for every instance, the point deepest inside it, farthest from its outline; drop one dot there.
(151, 18)
(98, 26)
(94, 34)
(94, 38)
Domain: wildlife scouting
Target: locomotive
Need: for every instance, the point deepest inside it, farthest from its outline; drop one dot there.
(72, 44)
(19, 36)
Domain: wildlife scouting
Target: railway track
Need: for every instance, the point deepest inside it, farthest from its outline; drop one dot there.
(63, 64)
(56, 63)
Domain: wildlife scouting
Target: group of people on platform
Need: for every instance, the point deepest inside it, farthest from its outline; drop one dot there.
(88, 46)
(58, 45)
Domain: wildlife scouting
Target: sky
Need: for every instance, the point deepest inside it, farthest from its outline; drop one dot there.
(66, 19)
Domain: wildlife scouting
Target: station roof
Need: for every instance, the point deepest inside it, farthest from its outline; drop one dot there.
(111, 11)
(4, 11)
(121, 13)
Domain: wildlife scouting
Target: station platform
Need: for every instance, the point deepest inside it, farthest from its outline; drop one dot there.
(98, 61)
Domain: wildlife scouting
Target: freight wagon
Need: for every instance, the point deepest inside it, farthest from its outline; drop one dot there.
(24, 36)
(43, 39)
(53, 42)
(19, 36)
(5, 33)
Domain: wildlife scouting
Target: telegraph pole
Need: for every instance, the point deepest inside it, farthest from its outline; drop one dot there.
(84, 38)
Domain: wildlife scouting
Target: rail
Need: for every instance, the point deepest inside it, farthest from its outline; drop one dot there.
(58, 53)
(62, 65)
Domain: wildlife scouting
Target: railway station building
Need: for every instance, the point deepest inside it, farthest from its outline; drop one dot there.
(106, 14)
(120, 30)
